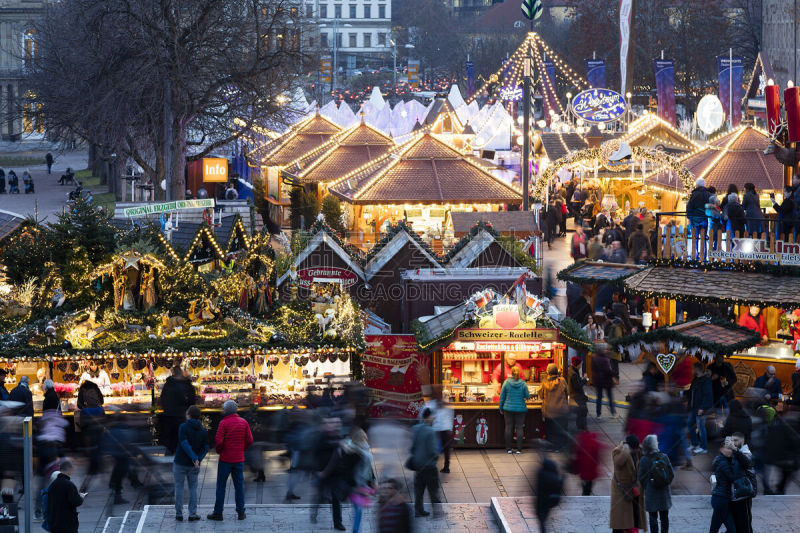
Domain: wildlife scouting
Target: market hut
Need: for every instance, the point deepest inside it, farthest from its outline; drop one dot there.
(762, 297)
(231, 235)
(519, 224)
(482, 247)
(703, 339)
(594, 276)
(202, 251)
(475, 346)
(419, 183)
(271, 190)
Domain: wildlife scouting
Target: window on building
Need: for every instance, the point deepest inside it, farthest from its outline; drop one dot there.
(367, 40)
(382, 11)
(367, 12)
(323, 11)
(381, 39)
(323, 40)
(338, 40)
(30, 48)
(32, 118)
(309, 11)
(353, 40)
(352, 11)
(311, 42)
(337, 11)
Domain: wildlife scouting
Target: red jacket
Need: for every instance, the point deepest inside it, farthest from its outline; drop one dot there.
(233, 438)
(586, 458)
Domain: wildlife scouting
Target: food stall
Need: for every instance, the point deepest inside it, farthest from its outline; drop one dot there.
(494, 333)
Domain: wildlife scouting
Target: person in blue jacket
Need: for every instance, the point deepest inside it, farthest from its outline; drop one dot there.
(701, 402)
(513, 408)
(192, 448)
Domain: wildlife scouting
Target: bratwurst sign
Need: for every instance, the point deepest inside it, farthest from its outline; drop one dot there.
(785, 253)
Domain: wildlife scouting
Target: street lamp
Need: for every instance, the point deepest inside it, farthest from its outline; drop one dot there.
(407, 46)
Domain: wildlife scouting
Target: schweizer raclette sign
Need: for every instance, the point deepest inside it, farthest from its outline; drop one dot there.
(215, 170)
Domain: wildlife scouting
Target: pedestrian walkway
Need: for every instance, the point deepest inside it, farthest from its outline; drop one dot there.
(689, 514)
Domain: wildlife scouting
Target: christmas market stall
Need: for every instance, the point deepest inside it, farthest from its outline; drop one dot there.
(761, 297)
(476, 345)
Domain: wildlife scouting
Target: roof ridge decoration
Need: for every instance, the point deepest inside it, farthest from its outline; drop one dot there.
(378, 256)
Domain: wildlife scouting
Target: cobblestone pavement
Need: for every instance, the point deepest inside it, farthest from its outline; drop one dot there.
(455, 518)
(689, 514)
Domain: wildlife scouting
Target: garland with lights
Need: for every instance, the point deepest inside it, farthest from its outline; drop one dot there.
(473, 232)
(755, 267)
(661, 159)
(574, 335)
(666, 334)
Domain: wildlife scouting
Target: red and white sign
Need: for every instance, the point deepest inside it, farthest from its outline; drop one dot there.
(508, 347)
(306, 276)
(506, 316)
(394, 373)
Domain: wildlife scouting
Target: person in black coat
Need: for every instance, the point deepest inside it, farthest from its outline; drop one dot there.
(738, 421)
(63, 501)
(552, 219)
(51, 400)
(549, 485)
(176, 396)
(785, 211)
(735, 213)
(22, 393)
(2, 181)
(723, 378)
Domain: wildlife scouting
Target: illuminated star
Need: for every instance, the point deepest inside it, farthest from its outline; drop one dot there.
(131, 261)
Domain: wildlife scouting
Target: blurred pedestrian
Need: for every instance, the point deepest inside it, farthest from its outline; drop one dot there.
(577, 396)
(721, 487)
(326, 450)
(513, 408)
(192, 448)
(63, 501)
(90, 422)
(701, 401)
(555, 407)
(795, 399)
(27, 181)
(578, 244)
(4, 395)
(723, 378)
(358, 472)
(442, 424)
(742, 506)
(424, 455)
(652, 378)
(50, 440)
(549, 485)
(603, 380)
(119, 445)
(782, 447)
(176, 396)
(655, 476)
(586, 460)
(394, 512)
(22, 393)
(233, 437)
(2, 181)
(737, 421)
(627, 507)
(49, 160)
(301, 440)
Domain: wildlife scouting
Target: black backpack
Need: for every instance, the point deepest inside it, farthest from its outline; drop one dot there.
(660, 474)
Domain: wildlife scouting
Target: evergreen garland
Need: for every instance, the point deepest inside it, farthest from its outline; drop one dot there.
(755, 267)
(393, 231)
(667, 334)
(574, 335)
(475, 230)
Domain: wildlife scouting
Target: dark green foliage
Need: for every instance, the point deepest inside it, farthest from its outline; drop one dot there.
(332, 211)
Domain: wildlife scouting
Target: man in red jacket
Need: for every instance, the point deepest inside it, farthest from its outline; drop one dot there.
(232, 439)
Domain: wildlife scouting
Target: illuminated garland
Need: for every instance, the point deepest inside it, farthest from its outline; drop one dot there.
(666, 334)
(755, 267)
(661, 160)
(574, 335)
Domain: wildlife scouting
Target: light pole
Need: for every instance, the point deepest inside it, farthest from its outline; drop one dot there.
(407, 46)
(335, 49)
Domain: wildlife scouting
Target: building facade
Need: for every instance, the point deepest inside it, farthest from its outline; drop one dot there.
(779, 39)
(356, 32)
(20, 115)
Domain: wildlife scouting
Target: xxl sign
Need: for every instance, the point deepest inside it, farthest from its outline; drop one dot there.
(785, 253)
(598, 105)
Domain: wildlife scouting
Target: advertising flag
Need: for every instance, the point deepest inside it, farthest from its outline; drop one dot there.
(730, 87)
(665, 89)
(625, 8)
(596, 73)
(470, 67)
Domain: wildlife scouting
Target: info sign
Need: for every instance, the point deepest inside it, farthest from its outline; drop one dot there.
(598, 105)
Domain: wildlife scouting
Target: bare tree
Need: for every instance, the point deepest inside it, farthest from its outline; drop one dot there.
(745, 18)
(156, 79)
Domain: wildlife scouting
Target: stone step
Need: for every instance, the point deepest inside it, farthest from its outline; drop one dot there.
(113, 524)
(130, 522)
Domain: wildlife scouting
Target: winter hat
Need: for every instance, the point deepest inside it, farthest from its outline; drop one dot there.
(700, 182)
(632, 441)
(552, 369)
(733, 198)
(576, 361)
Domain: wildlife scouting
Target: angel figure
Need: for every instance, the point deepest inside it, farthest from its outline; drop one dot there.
(261, 299)
(248, 292)
(147, 289)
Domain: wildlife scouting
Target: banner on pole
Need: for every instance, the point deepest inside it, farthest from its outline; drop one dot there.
(625, 8)
(665, 89)
(596, 73)
(413, 72)
(730, 87)
(166, 207)
(470, 68)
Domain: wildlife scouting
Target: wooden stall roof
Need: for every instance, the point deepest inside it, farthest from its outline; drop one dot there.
(598, 273)
(652, 131)
(301, 139)
(503, 222)
(425, 171)
(717, 285)
(322, 237)
(344, 153)
(9, 222)
(715, 336)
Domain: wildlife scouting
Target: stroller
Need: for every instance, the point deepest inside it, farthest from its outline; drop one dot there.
(27, 181)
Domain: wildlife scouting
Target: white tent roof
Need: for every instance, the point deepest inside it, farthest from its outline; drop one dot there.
(456, 100)
(346, 118)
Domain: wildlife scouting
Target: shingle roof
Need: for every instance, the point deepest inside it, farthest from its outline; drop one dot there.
(426, 170)
(183, 235)
(717, 285)
(501, 221)
(653, 131)
(303, 138)
(9, 222)
(597, 272)
(557, 145)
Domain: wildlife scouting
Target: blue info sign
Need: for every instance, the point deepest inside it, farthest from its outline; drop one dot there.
(598, 105)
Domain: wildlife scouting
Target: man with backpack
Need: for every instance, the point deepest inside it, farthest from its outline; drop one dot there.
(656, 475)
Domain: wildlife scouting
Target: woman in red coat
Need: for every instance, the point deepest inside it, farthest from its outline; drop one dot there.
(586, 461)
(754, 320)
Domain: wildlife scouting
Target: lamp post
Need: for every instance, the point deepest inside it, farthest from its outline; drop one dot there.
(335, 49)
(407, 46)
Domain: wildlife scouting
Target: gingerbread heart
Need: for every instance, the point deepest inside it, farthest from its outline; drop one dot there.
(665, 361)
